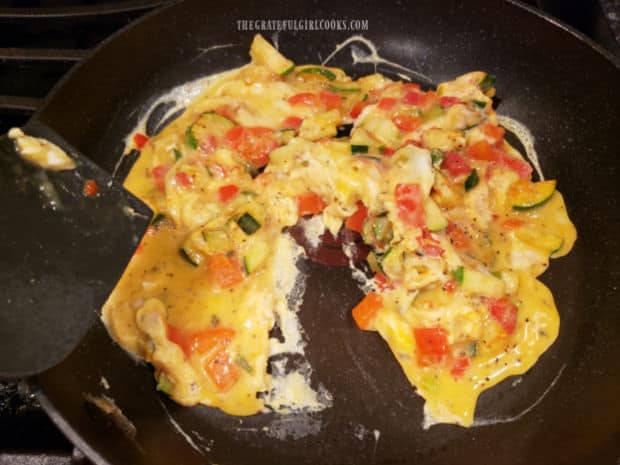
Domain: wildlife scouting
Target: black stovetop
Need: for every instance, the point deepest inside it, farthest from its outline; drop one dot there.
(40, 40)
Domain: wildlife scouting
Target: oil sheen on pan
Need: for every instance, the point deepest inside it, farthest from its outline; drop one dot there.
(436, 213)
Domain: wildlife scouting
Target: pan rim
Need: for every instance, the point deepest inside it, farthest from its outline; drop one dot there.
(63, 425)
(568, 28)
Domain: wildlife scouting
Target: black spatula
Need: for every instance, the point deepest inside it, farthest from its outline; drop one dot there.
(61, 253)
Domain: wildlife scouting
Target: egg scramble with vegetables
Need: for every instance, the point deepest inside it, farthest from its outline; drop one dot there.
(458, 233)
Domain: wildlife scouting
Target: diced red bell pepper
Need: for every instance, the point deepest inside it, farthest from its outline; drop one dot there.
(387, 103)
(330, 100)
(207, 144)
(183, 179)
(504, 312)
(310, 204)
(356, 221)
(494, 132)
(482, 150)
(357, 109)
(90, 188)
(211, 343)
(409, 203)
(415, 143)
(406, 123)
(431, 344)
(382, 281)
(222, 370)
(415, 97)
(226, 111)
(447, 102)
(387, 151)
(253, 143)
(432, 250)
(459, 239)
(455, 164)
(450, 285)
(365, 311)
(411, 87)
(292, 122)
(159, 176)
(512, 223)
(227, 192)
(306, 99)
(519, 166)
(459, 367)
(426, 236)
(202, 341)
(140, 140)
(224, 270)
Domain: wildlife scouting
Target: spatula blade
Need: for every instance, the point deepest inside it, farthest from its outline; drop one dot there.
(61, 253)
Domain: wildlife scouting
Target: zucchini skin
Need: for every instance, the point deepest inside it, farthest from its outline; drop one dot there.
(248, 224)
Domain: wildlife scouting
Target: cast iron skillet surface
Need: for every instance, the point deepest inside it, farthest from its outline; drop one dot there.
(552, 80)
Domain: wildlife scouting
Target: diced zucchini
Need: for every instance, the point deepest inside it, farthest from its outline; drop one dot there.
(433, 113)
(472, 349)
(458, 275)
(539, 238)
(215, 241)
(317, 70)
(157, 218)
(437, 157)
(209, 123)
(254, 257)
(472, 180)
(177, 154)
(344, 130)
(435, 221)
(487, 83)
(263, 53)
(344, 89)
(191, 255)
(373, 262)
(480, 104)
(383, 129)
(284, 136)
(360, 136)
(476, 282)
(248, 224)
(382, 229)
(358, 148)
(525, 195)
(190, 140)
(391, 261)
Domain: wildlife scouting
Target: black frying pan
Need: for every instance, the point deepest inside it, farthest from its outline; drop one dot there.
(555, 81)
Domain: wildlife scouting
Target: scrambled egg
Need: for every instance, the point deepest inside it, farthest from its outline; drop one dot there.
(458, 234)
